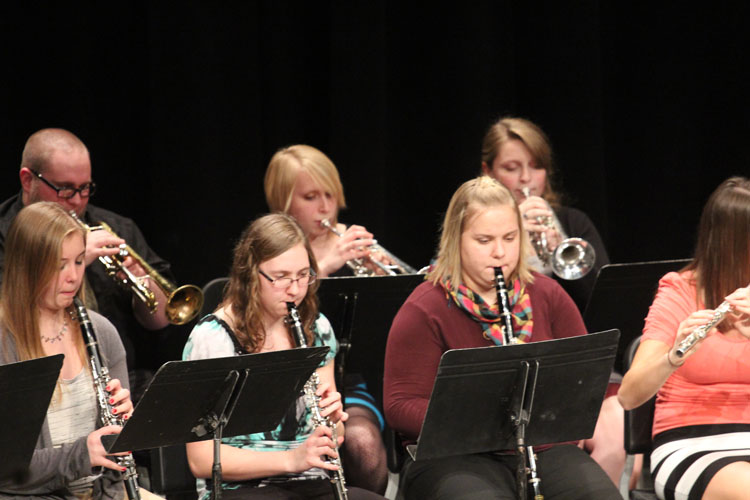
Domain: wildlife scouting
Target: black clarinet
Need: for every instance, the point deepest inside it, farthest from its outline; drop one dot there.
(312, 401)
(101, 377)
(509, 337)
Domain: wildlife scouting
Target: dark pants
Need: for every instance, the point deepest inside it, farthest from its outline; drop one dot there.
(313, 489)
(566, 473)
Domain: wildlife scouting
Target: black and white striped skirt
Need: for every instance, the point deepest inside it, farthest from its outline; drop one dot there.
(685, 459)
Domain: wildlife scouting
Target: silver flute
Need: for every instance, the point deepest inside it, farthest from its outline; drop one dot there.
(509, 337)
(101, 377)
(701, 331)
(312, 400)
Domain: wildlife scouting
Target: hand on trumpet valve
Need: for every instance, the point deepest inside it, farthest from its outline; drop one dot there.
(538, 218)
(101, 243)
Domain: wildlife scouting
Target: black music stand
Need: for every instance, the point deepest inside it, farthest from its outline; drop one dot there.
(621, 297)
(361, 310)
(190, 401)
(518, 395)
(26, 388)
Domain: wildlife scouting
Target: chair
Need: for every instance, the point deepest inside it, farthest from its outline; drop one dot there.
(213, 292)
(638, 424)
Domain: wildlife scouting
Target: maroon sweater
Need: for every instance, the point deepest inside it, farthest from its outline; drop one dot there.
(428, 324)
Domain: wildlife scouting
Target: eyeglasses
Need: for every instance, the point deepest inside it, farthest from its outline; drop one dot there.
(67, 192)
(284, 283)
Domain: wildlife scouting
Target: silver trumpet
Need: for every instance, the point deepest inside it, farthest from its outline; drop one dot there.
(183, 303)
(364, 267)
(571, 259)
(312, 400)
(101, 377)
(701, 331)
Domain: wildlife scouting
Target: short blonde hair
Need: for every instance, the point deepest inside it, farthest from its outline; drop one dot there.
(284, 167)
(472, 197)
(508, 129)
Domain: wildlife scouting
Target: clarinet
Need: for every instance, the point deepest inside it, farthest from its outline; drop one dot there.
(101, 377)
(312, 401)
(509, 337)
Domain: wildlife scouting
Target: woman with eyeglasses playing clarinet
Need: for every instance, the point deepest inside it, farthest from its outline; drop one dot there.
(458, 308)
(694, 355)
(273, 265)
(44, 267)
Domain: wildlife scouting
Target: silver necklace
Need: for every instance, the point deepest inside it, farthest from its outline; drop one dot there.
(60, 334)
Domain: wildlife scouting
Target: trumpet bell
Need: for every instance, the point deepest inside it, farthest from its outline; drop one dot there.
(183, 304)
(573, 259)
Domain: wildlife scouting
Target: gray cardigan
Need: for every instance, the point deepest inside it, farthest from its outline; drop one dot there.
(52, 468)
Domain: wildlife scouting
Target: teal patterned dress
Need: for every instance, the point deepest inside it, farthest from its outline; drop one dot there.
(210, 339)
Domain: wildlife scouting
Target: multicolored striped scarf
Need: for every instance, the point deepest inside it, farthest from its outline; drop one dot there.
(489, 316)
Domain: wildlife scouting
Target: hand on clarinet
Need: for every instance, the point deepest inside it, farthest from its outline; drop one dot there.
(119, 399)
(98, 456)
(315, 449)
(330, 403)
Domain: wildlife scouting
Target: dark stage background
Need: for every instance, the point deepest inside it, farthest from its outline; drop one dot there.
(182, 106)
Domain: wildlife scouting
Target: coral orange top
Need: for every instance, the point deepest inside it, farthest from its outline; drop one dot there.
(713, 386)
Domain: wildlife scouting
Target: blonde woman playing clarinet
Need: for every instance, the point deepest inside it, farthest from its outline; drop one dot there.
(44, 266)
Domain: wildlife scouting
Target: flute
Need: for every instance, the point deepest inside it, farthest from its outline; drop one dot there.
(701, 331)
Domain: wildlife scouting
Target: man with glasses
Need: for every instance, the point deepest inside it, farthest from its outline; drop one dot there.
(55, 166)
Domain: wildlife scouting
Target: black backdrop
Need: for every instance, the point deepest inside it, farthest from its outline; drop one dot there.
(182, 106)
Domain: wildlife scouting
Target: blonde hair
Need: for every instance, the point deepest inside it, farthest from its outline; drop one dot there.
(284, 167)
(33, 249)
(265, 238)
(507, 129)
(471, 198)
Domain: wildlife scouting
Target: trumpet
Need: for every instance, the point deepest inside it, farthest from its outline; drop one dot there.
(183, 303)
(364, 267)
(571, 259)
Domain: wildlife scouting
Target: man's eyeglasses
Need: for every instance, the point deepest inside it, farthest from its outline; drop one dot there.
(284, 283)
(67, 193)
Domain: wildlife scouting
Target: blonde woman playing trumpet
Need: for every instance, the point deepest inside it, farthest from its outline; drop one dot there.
(302, 181)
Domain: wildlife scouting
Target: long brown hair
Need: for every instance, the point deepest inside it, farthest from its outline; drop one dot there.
(469, 199)
(722, 252)
(33, 250)
(511, 128)
(265, 238)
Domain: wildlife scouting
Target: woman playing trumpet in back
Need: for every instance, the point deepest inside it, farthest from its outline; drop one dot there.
(702, 419)
(517, 153)
(44, 267)
(303, 182)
